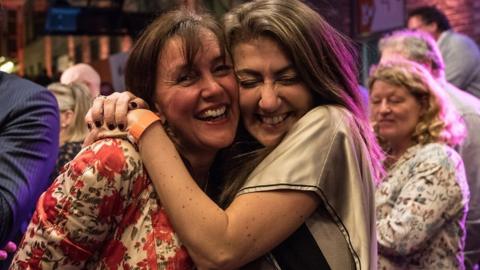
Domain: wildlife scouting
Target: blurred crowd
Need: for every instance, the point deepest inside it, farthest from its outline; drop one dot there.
(249, 143)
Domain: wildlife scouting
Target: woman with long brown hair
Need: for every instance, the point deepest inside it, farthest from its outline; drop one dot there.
(306, 197)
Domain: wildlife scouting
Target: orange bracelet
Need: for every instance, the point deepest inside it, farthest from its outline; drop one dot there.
(144, 119)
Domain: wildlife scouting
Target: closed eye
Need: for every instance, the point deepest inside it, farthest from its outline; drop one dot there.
(395, 100)
(222, 69)
(288, 80)
(375, 101)
(187, 78)
(248, 83)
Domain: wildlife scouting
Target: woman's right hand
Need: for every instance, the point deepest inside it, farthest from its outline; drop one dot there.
(109, 112)
(112, 110)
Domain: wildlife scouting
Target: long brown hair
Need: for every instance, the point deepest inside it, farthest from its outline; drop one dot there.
(323, 58)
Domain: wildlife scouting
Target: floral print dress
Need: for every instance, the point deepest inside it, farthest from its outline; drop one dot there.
(421, 209)
(66, 153)
(102, 212)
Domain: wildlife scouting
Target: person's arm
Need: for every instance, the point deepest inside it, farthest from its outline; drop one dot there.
(29, 146)
(75, 216)
(461, 59)
(470, 152)
(220, 239)
(419, 211)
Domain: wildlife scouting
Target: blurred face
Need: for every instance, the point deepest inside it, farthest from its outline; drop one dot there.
(199, 103)
(395, 112)
(389, 54)
(416, 23)
(66, 120)
(272, 96)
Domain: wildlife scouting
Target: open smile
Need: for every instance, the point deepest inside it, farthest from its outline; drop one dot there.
(273, 120)
(213, 114)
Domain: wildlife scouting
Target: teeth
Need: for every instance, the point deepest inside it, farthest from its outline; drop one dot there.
(274, 119)
(213, 112)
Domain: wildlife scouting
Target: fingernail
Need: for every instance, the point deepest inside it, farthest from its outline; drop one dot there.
(10, 247)
(98, 124)
(89, 126)
(111, 126)
(133, 104)
(121, 126)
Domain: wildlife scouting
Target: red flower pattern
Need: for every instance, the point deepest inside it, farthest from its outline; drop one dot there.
(110, 221)
(73, 252)
(138, 185)
(131, 215)
(110, 160)
(114, 253)
(181, 260)
(82, 161)
(163, 229)
(37, 254)
(111, 205)
(50, 203)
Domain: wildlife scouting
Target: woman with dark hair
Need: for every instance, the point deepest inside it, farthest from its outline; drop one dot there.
(102, 211)
(307, 194)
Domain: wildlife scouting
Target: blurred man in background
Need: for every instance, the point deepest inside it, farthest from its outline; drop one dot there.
(85, 74)
(460, 53)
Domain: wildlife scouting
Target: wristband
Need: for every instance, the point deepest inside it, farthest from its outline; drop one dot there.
(144, 119)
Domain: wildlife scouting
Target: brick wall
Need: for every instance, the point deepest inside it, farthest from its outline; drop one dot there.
(464, 15)
(337, 12)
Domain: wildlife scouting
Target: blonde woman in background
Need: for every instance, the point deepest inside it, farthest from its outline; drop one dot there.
(422, 204)
(74, 100)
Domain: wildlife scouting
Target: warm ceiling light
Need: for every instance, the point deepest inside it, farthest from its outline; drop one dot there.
(7, 67)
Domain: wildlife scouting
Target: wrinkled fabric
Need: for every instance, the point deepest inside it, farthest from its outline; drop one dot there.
(468, 107)
(102, 212)
(421, 210)
(324, 153)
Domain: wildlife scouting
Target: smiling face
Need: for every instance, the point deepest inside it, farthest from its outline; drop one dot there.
(395, 112)
(199, 102)
(272, 95)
